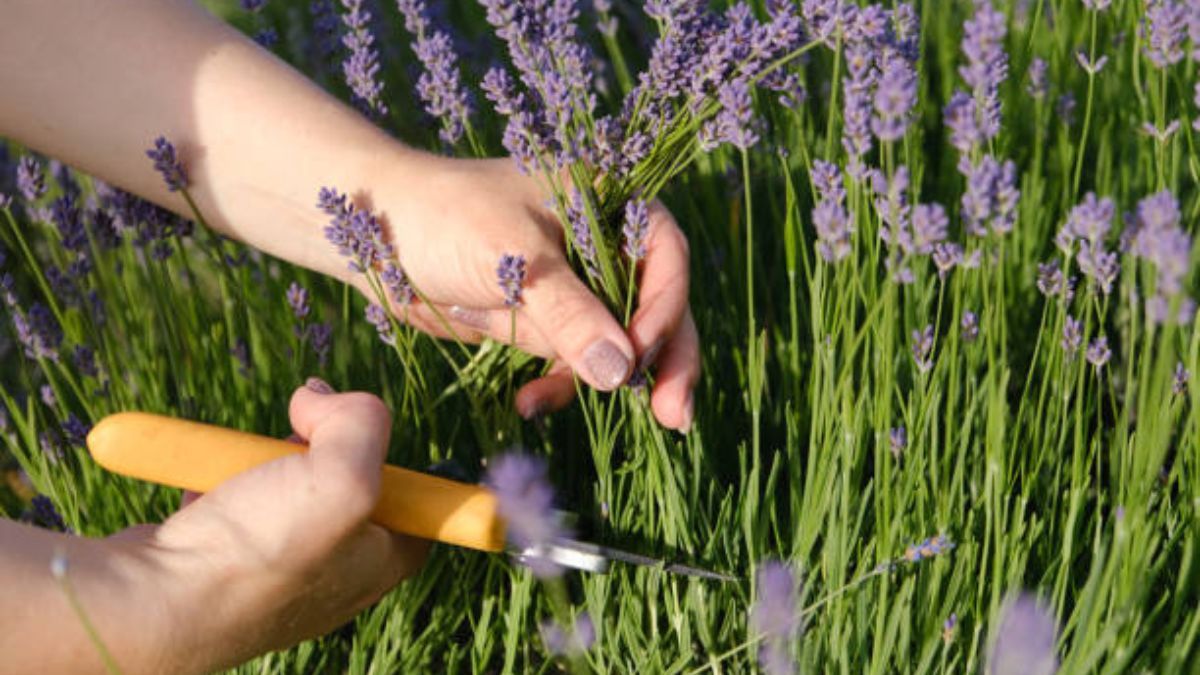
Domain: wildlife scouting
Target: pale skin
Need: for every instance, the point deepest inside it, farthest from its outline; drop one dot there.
(285, 552)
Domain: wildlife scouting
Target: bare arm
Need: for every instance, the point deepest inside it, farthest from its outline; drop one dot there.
(93, 83)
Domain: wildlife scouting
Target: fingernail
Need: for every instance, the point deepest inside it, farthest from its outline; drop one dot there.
(689, 412)
(318, 386)
(650, 355)
(475, 318)
(607, 364)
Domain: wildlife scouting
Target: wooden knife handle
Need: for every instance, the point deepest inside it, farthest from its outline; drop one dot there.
(199, 457)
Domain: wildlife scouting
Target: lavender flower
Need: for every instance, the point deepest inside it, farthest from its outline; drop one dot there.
(1072, 337)
(320, 336)
(1161, 241)
(1180, 380)
(830, 218)
(895, 98)
(46, 392)
(43, 514)
(922, 348)
(397, 283)
(1065, 108)
(578, 640)
(1098, 265)
(1024, 641)
(969, 326)
(1090, 66)
(928, 548)
(357, 233)
(1097, 5)
(526, 502)
(1164, 134)
(637, 227)
(325, 30)
(361, 66)
(1098, 352)
(38, 332)
(990, 202)
(1196, 122)
(581, 235)
(382, 321)
(947, 256)
(297, 300)
(253, 6)
(31, 182)
(775, 617)
(1163, 30)
(898, 441)
(1091, 220)
(75, 430)
(85, 361)
(929, 227)
(824, 19)
(440, 85)
(858, 88)
(510, 274)
(167, 164)
(1039, 83)
(987, 64)
(734, 124)
(950, 628)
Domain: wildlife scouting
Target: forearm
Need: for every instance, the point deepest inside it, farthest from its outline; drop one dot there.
(93, 83)
(40, 632)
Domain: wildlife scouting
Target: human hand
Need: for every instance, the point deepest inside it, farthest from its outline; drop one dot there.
(454, 219)
(283, 552)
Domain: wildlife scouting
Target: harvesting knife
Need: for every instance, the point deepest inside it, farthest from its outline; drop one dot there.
(198, 457)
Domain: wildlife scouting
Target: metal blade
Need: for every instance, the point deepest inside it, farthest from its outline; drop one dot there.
(595, 558)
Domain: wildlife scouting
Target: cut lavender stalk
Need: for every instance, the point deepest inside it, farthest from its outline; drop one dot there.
(510, 275)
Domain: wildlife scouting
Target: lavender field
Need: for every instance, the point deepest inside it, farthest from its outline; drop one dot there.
(943, 273)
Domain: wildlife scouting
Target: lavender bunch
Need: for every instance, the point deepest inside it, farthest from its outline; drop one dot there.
(696, 93)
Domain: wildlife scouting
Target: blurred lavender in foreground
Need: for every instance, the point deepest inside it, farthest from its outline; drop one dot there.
(573, 642)
(775, 617)
(1024, 642)
(526, 502)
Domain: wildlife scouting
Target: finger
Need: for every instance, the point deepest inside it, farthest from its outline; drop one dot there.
(499, 325)
(678, 371)
(348, 436)
(663, 289)
(577, 325)
(551, 392)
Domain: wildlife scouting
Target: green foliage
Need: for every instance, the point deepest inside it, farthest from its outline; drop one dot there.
(1079, 484)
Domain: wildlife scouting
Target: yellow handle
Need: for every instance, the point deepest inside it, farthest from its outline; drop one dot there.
(199, 457)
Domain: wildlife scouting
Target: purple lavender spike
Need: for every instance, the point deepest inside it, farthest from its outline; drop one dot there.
(637, 227)
(167, 164)
(510, 274)
(361, 66)
(1164, 28)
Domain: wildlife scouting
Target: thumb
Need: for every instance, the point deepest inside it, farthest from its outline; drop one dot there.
(578, 326)
(347, 438)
